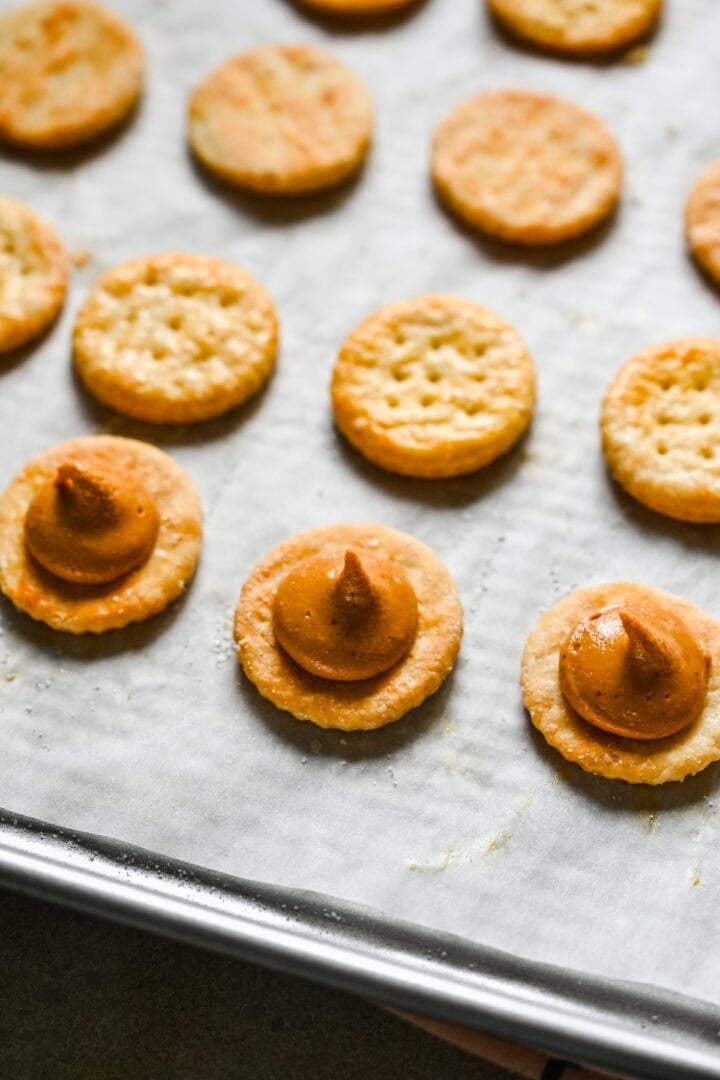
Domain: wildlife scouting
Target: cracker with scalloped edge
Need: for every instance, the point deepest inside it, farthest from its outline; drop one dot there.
(34, 271)
(578, 27)
(367, 703)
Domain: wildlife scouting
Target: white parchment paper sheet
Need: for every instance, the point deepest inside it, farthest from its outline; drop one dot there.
(458, 817)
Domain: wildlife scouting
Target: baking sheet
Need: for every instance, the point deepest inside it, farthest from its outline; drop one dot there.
(458, 818)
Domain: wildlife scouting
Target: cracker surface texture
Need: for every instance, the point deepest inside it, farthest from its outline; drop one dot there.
(433, 387)
(578, 27)
(134, 597)
(175, 338)
(367, 703)
(69, 70)
(638, 761)
(281, 120)
(660, 425)
(34, 269)
(526, 167)
(702, 221)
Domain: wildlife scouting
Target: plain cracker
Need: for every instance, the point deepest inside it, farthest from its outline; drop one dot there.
(660, 426)
(358, 7)
(69, 70)
(433, 387)
(136, 596)
(369, 703)
(527, 167)
(702, 221)
(617, 758)
(281, 120)
(175, 338)
(34, 270)
(578, 27)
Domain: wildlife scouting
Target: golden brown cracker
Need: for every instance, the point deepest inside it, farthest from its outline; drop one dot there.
(432, 387)
(578, 27)
(281, 120)
(368, 703)
(358, 7)
(69, 70)
(702, 221)
(660, 426)
(175, 338)
(34, 270)
(638, 761)
(134, 597)
(527, 167)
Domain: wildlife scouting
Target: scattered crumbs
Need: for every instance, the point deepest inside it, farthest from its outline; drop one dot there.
(498, 842)
(315, 747)
(638, 55)
(452, 727)
(409, 864)
(447, 860)
(81, 257)
(652, 820)
(10, 677)
(696, 879)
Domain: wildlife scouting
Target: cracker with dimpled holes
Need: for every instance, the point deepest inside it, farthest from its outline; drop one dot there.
(136, 595)
(175, 338)
(660, 425)
(69, 71)
(637, 761)
(526, 167)
(578, 27)
(363, 704)
(702, 221)
(281, 120)
(433, 387)
(34, 270)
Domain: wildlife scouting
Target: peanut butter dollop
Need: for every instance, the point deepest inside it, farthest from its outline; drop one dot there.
(635, 672)
(343, 616)
(91, 523)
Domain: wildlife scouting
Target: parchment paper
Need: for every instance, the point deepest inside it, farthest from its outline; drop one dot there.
(458, 817)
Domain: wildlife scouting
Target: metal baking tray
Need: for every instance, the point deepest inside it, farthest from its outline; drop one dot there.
(450, 863)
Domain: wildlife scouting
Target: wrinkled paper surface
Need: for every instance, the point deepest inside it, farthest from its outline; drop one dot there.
(459, 817)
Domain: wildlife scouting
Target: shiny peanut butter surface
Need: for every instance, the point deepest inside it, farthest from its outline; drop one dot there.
(634, 670)
(91, 524)
(345, 615)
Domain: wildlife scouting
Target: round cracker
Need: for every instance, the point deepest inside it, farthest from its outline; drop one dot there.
(367, 703)
(175, 338)
(702, 221)
(578, 27)
(34, 269)
(433, 387)
(638, 761)
(660, 426)
(527, 167)
(281, 120)
(69, 70)
(80, 609)
(358, 7)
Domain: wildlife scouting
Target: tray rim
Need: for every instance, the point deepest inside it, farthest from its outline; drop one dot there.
(630, 1028)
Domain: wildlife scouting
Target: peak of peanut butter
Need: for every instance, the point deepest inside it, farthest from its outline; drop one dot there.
(91, 522)
(345, 615)
(635, 671)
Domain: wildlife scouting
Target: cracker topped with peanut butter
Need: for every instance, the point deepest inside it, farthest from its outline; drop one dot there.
(624, 680)
(349, 626)
(97, 533)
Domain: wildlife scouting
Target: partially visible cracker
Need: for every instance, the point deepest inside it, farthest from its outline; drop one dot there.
(281, 120)
(358, 7)
(69, 70)
(34, 271)
(578, 27)
(368, 703)
(638, 761)
(175, 338)
(527, 167)
(80, 609)
(433, 387)
(660, 426)
(702, 221)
